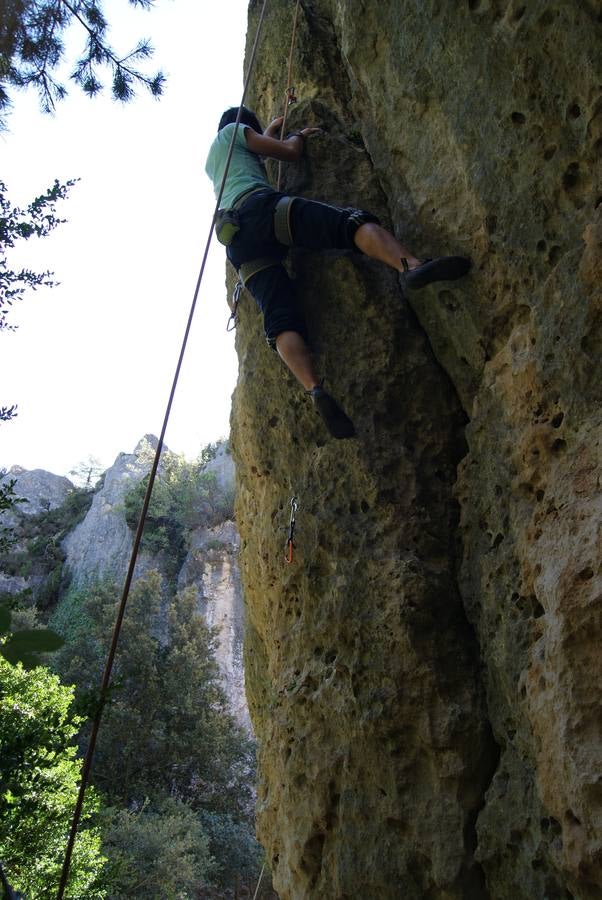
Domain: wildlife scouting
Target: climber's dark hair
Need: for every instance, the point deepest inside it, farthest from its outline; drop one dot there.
(247, 117)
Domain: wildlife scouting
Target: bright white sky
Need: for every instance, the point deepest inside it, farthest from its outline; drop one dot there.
(92, 361)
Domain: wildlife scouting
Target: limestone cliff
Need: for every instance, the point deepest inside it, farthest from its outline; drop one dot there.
(424, 679)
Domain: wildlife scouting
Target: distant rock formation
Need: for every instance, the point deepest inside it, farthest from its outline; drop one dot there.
(100, 547)
(424, 679)
(42, 490)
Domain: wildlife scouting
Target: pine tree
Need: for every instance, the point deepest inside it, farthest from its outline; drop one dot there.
(31, 49)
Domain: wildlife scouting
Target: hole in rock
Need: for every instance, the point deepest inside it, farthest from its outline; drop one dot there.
(557, 420)
(598, 147)
(518, 118)
(574, 111)
(570, 179)
(474, 4)
(497, 541)
(538, 610)
(559, 446)
(491, 224)
(364, 506)
(549, 152)
(541, 246)
(540, 495)
(519, 13)
(598, 202)
(273, 421)
(586, 574)
(571, 817)
(554, 254)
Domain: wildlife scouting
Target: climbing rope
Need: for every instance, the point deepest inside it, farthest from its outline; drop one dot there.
(290, 90)
(106, 678)
(259, 882)
(290, 544)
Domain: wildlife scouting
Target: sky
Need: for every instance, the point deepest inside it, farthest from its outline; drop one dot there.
(92, 360)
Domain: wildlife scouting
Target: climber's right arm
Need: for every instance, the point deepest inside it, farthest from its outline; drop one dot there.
(289, 150)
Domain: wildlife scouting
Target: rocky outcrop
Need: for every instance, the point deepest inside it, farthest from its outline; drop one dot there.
(422, 679)
(101, 546)
(211, 567)
(41, 491)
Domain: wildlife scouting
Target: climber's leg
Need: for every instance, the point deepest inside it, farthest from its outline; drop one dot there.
(377, 243)
(286, 332)
(293, 350)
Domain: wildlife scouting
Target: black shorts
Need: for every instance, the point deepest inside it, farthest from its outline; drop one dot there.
(314, 226)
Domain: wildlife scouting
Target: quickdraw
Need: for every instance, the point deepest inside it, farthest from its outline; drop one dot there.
(288, 551)
(291, 96)
(233, 321)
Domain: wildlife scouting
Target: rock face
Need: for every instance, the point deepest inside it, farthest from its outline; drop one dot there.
(424, 678)
(211, 566)
(42, 490)
(101, 545)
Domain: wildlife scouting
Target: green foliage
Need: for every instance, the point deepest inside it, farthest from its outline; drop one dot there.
(38, 220)
(31, 51)
(235, 848)
(38, 787)
(156, 735)
(166, 731)
(158, 850)
(26, 645)
(8, 501)
(39, 537)
(185, 496)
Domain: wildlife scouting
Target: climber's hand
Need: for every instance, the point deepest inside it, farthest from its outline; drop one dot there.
(274, 127)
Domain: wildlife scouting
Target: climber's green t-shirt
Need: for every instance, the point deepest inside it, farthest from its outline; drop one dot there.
(246, 170)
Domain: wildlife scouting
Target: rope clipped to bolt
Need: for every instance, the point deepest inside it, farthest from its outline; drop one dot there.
(290, 544)
(87, 766)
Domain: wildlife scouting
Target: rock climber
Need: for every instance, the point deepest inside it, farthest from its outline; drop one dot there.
(259, 224)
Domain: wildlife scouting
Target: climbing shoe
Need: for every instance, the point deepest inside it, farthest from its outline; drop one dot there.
(443, 268)
(337, 422)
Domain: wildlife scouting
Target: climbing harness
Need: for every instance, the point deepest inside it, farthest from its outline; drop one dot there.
(288, 552)
(106, 678)
(283, 233)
